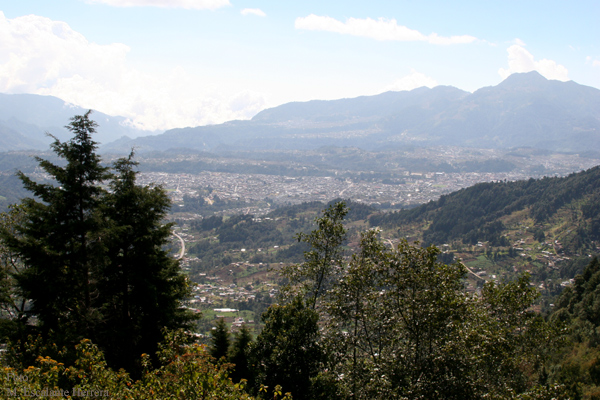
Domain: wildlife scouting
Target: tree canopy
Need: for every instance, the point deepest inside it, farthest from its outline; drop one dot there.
(395, 323)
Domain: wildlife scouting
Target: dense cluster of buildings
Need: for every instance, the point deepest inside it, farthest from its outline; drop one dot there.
(411, 189)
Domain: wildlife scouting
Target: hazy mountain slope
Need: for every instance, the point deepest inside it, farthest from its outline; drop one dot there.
(364, 107)
(31, 116)
(524, 110)
(11, 139)
(346, 122)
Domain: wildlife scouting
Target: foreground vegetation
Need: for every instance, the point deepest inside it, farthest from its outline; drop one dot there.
(390, 323)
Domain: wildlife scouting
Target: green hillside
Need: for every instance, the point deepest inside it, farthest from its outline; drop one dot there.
(484, 212)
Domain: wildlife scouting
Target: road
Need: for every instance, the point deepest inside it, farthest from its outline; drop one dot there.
(182, 252)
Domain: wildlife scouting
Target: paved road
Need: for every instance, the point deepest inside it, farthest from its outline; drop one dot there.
(182, 252)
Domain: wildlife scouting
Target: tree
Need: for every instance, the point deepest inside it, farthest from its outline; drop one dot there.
(141, 286)
(13, 306)
(287, 351)
(398, 324)
(94, 261)
(322, 262)
(395, 324)
(238, 354)
(577, 364)
(219, 345)
(60, 240)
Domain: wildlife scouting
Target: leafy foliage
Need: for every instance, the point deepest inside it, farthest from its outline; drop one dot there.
(186, 372)
(315, 276)
(396, 323)
(287, 352)
(577, 363)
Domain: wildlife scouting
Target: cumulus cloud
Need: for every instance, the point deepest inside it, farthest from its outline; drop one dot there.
(520, 60)
(185, 4)
(412, 81)
(253, 11)
(41, 56)
(596, 63)
(381, 29)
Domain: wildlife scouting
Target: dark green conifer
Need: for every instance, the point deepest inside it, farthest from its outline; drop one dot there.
(60, 240)
(140, 287)
(239, 354)
(219, 340)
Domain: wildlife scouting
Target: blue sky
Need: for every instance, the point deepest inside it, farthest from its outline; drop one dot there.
(176, 63)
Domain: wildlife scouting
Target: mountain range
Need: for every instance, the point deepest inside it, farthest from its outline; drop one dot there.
(525, 110)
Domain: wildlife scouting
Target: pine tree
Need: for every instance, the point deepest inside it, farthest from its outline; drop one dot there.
(219, 340)
(141, 285)
(239, 354)
(60, 241)
(13, 306)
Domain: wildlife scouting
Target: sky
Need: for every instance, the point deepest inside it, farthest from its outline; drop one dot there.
(175, 63)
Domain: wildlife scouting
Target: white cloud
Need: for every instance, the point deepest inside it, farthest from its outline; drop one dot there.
(381, 29)
(520, 60)
(41, 56)
(596, 63)
(185, 4)
(253, 11)
(412, 81)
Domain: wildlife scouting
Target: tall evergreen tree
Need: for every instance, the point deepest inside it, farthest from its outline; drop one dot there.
(60, 240)
(140, 285)
(238, 354)
(13, 305)
(219, 345)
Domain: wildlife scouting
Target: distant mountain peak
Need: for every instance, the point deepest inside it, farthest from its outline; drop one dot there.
(524, 79)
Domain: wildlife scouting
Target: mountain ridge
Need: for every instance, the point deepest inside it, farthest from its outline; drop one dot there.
(525, 110)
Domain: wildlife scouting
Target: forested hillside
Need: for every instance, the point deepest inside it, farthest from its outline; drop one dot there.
(481, 212)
